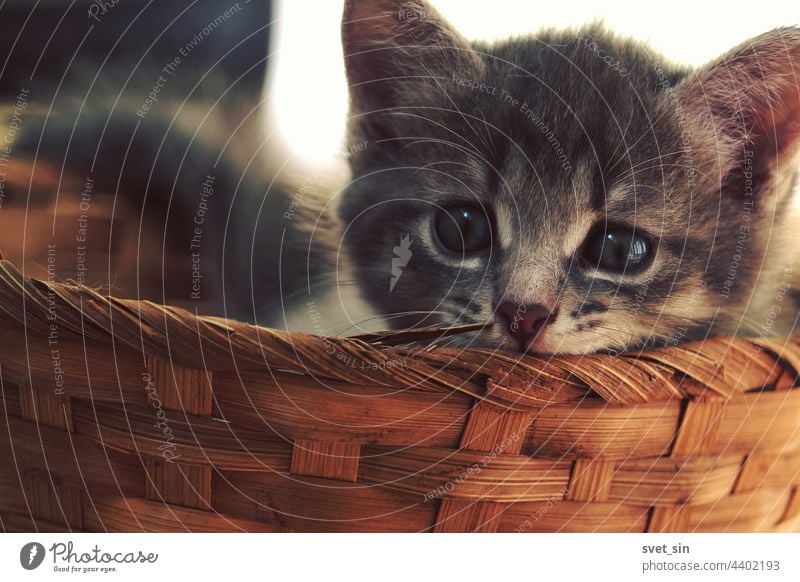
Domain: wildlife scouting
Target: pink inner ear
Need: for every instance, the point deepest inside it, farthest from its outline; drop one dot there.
(766, 77)
(750, 98)
(769, 73)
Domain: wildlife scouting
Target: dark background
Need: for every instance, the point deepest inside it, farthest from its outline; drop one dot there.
(86, 80)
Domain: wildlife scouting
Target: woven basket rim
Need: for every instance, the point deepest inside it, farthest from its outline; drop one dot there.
(506, 378)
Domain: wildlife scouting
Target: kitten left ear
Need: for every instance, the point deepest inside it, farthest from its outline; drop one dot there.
(747, 105)
(395, 50)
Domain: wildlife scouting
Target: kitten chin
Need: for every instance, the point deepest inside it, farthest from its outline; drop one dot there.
(571, 204)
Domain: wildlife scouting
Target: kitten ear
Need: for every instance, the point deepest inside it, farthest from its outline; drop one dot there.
(396, 50)
(746, 105)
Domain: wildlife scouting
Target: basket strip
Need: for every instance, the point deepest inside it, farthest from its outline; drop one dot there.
(591, 480)
(769, 470)
(300, 503)
(622, 381)
(670, 518)
(760, 422)
(15, 522)
(695, 364)
(331, 460)
(666, 481)
(787, 350)
(700, 426)
(180, 388)
(178, 483)
(789, 525)
(91, 370)
(646, 430)
(14, 506)
(792, 508)
(754, 511)
(141, 515)
(206, 440)
(456, 515)
(53, 502)
(596, 429)
(46, 408)
(491, 428)
(464, 474)
(560, 515)
(299, 408)
(71, 460)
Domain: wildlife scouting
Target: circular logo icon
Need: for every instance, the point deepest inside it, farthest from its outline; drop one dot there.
(31, 555)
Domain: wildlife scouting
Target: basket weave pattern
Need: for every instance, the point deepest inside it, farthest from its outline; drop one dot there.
(121, 415)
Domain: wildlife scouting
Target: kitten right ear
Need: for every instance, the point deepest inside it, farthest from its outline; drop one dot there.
(395, 51)
(745, 107)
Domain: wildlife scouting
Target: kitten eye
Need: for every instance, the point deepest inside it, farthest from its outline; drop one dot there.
(463, 229)
(617, 249)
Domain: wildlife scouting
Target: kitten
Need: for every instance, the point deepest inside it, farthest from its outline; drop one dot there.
(573, 191)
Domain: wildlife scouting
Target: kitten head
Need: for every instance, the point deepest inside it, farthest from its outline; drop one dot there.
(572, 190)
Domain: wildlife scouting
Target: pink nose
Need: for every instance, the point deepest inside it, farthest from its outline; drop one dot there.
(524, 322)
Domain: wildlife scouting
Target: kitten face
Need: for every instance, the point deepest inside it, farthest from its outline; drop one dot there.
(570, 203)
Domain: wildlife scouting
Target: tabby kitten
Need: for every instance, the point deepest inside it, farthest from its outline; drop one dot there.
(573, 191)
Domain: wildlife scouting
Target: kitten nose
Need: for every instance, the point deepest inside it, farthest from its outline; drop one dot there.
(524, 322)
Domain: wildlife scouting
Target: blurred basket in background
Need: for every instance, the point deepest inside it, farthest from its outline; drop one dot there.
(123, 415)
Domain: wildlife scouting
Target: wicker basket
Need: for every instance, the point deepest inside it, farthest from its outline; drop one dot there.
(128, 416)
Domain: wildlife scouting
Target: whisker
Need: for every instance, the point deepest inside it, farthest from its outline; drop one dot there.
(634, 144)
(621, 142)
(391, 316)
